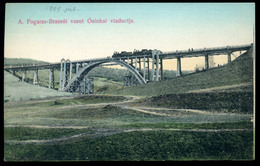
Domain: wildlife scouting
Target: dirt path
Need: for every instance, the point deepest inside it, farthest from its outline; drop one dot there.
(106, 132)
(129, 99)
(222, 88)
(144, 109)
(48, 127)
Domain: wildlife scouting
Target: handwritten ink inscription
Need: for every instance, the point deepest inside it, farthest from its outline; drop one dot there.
(60, 9)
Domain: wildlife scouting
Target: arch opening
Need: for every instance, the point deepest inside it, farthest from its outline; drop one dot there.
(83, 72)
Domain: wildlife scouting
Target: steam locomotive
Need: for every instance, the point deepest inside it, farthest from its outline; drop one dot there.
(134, 53)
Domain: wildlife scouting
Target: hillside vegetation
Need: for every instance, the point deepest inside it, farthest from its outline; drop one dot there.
(21, 61)
(238, 71)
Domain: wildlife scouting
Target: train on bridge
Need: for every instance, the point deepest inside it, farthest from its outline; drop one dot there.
(134, 53)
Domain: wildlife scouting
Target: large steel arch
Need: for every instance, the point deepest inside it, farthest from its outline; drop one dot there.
(86, 69)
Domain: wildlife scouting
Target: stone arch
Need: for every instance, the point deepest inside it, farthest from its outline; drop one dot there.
(86, 69)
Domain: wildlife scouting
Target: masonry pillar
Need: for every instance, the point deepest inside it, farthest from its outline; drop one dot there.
(35, 77)
(229, 57)
(148, 69)
(144, 68)
(161, 68)
(157, 66)
(77, 68)
(206, 61)
(140, 67)
(64, 75)
(67, 71)
(61, 74)
(178, 66)
(51, 78)
(135, 63)
(153, 61)
(70, 71)
(24, 75)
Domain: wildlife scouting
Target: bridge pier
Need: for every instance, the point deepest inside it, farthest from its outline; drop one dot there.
(153, 61)
(35, 77)
(229, 57)
(135, 63)
(161, 67)
(178, 67)
(51, 79)
(144, 68)
(131, 62)
(140, 67)
(62, 70)
(155, 64)
(157, 67)
(64, 75)
(206, 61)
(77, 68)
(24, 75)
(70, 71)
(148, 69)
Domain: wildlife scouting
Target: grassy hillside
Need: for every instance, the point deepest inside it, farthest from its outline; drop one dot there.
(21, 61)
(104, 84)
(142, 146)
(241, 102)
(238, 71)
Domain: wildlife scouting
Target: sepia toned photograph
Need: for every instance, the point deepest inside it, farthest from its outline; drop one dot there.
(129, 82)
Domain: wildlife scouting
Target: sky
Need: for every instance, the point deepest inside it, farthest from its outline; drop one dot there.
(162, 26)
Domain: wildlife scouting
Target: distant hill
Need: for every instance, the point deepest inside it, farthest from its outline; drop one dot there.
(238, 71)
(21, 61)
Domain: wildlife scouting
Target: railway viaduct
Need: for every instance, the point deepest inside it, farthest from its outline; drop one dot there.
(139, 66)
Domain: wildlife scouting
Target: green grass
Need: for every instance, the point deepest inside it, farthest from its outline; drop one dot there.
(110, 113)
(92, 113)
(23, 133)
(89, 99)
(104, 84)
(163, 145)
(240, 102)
(152, 145)
(175, 125)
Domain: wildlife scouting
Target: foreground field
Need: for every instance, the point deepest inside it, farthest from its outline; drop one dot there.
(102, 127)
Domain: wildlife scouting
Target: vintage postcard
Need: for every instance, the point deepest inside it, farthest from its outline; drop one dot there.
(129, 81)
